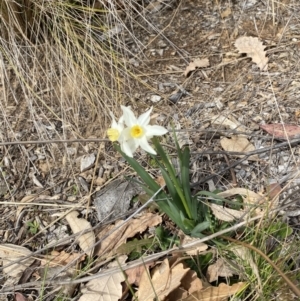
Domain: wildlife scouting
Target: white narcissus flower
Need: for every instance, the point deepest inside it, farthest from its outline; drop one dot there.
(138, 132)
(114, 132)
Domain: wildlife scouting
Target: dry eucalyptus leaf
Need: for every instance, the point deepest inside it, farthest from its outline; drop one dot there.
(197, 63)
(163, 281)
(107, 288)
(10, 253)
(239, 144)
(254, 49)
(220, 293)
(86, 240)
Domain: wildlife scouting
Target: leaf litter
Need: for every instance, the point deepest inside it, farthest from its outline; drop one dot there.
(80, 225)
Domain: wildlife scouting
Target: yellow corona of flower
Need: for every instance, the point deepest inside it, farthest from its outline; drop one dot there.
(138, 132)
(114, 132)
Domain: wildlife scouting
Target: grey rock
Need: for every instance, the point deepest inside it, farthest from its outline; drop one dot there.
(115, 199)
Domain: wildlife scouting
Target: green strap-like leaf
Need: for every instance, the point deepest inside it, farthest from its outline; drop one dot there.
(140, 170)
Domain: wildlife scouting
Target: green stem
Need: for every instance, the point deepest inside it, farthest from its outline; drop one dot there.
(172, 175)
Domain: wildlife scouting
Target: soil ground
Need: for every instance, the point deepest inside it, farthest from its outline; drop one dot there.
(232, 86)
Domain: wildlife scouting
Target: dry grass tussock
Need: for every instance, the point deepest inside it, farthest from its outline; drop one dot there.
(64, 64)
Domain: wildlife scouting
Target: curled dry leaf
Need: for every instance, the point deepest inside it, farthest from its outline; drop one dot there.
(197, 63)
(254, 49)
(226, 214)
(251, 200)
(26, 199)
(34, 198)
(163, 281)
(10, 253)
(86, 240)
(282, 131)
(239, 144)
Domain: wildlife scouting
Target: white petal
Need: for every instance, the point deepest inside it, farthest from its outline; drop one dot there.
(144, 119)
(155, 130)
(121, 120)
(114, 124)
(125, 134)
(129, 117)
(129, 147)
(146, 146)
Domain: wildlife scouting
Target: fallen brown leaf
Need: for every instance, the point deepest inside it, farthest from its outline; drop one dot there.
(134, 274)
(107, 288)
(219, 269)
(226, 214)
(61, 258)
(26, 199)
(273, 190)
(10, 253)
(197, 63)
(250, 199)
(163, 281)
(282, 131)
(220, 293)
(227, 12)
(86, 240)
(190, 283)
(254, 49)
(239, 144)
(20, 297)
(185, 239)
(121, 234)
